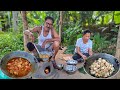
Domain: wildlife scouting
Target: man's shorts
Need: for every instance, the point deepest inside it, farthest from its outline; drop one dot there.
(31, 47)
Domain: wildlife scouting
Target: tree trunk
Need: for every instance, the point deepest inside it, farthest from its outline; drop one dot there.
(15, 19)
(113, 16)
(9, 19)
(24, 19)
(118, 46)
(60, 23)
(102, 20)
(25, 27)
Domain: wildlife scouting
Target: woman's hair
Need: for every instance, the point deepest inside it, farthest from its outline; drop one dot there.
(86, 31)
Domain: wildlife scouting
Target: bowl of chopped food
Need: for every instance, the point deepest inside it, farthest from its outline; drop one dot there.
(45, 55)
(101, 65)
(19, 65)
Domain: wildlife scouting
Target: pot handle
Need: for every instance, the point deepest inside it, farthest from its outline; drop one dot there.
(117, 61)
(35, 60)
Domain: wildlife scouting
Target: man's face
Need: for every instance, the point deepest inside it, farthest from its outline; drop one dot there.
(86, 36)
(48, 24)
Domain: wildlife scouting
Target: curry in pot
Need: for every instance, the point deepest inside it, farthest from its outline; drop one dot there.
(18, 67)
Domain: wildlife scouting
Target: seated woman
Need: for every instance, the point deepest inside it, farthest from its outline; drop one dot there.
(83, 47)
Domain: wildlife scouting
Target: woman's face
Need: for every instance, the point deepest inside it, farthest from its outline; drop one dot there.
(86, 37)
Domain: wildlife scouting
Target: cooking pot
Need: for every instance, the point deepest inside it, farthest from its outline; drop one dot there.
(70, 69)
(21, 54)
(111, 59)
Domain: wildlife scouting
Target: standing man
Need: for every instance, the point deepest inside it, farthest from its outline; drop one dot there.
(47, 35)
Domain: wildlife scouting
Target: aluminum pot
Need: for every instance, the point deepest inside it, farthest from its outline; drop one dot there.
(21, 54)
(70, 69)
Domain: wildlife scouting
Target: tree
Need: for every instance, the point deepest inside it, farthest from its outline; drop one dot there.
(9, 18)
(60, 23)
(25, 27)
(15, 19)
(118, 46)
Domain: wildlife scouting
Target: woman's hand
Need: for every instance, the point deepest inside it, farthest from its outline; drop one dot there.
(84, 57)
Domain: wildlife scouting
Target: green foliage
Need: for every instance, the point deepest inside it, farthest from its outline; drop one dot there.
(117, 17)
(72, 33)
(10, 42)
(35, 18)
(101, 45)
(70, 49)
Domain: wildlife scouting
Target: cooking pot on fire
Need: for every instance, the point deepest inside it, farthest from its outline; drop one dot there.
(21, 54)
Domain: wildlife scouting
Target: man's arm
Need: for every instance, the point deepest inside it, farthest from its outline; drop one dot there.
(55, 37)
(29, 33)
(35, 29)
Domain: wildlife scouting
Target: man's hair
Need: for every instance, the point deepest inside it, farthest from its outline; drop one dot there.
(86, 31)
(48, 17)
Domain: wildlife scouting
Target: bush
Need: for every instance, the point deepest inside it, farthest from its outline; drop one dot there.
(102, 45)
(70, 49)
(10, 42)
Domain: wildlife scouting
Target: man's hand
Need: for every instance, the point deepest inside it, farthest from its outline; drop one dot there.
(84, 57)
(31, 36)
(44, 43)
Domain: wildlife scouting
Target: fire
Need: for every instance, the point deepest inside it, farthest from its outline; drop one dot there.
(47, 70)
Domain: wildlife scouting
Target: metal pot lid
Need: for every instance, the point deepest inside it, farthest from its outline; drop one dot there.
(21, 54)
(72, 62)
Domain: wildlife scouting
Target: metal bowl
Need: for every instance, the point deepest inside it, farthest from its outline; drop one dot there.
(21, 54)
(70, 69)
(72, 62)
(111, 59)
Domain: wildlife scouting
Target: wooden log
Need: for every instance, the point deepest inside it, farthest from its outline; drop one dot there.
(117, 55)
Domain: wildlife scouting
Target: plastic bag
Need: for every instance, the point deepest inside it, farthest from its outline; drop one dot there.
(3, 76)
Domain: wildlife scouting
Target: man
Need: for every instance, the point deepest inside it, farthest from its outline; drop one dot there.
(46, 36)
(83, 47)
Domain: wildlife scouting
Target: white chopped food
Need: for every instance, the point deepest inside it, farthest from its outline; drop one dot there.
(101, 68)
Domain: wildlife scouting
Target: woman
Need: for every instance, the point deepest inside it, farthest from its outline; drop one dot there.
(83, 47)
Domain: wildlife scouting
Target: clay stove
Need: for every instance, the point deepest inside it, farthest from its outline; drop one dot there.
(46, 69)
